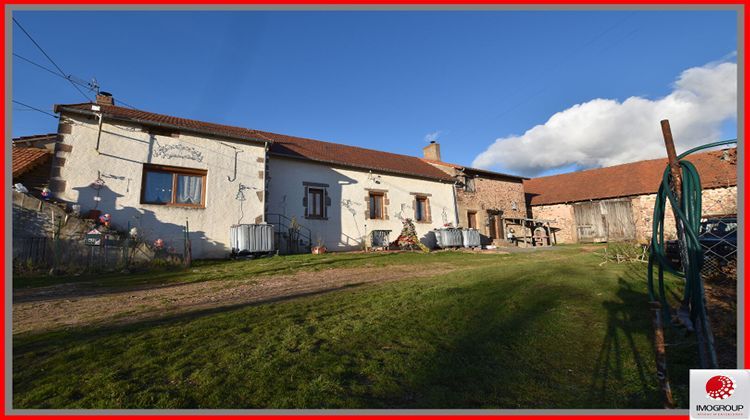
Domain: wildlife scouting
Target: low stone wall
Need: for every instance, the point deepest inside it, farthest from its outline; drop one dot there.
(34, 218)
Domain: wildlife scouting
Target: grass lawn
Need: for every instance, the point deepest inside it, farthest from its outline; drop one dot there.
(551, 329)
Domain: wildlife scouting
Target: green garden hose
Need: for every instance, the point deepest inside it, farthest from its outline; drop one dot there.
(692, 312)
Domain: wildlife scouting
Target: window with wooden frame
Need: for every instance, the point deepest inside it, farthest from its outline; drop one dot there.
(315, 203)
(316, 200)
(173, 186)
(376, 205)
(421, 209)
(471, 217)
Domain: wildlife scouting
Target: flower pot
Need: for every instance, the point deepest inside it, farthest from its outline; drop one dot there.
(94, 214)
(319, 250)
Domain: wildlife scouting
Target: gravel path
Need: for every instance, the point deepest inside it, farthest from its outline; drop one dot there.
(70, 305)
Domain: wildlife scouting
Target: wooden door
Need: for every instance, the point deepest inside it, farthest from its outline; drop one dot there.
(589, 222)
(618, 220)
(471, 217)
(604, 221)
(496, 227)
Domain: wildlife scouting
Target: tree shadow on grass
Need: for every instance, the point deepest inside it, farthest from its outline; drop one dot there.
(487, 342)
(627, 317)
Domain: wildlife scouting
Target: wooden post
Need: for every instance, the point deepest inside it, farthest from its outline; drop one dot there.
(674, 164)
(703, 334)
(656, 309)
(661, 355)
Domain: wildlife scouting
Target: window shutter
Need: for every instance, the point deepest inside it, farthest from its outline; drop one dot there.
(327, 203)
(367, 205)
(304, 201)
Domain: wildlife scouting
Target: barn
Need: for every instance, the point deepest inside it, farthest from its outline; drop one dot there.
(616, 203)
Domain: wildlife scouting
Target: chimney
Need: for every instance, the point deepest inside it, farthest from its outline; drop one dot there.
(105, 98)
(432, 151)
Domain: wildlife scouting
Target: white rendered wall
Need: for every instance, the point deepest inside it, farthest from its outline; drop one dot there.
(123, 150)
(347, 225)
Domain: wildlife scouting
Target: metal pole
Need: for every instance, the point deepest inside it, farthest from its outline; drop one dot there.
(99, 133)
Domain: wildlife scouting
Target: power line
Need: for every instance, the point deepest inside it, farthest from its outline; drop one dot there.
(62, 73)
(34, 108)
(88, 85)
(125, 103)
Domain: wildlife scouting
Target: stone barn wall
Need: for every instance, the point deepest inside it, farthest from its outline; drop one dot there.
(716, 201)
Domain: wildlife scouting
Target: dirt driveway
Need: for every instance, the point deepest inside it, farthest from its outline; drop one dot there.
(68, 305)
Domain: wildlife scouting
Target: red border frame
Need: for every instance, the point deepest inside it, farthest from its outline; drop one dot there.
(6, 191)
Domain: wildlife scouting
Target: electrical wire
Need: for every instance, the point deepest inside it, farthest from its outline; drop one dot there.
(34, 108)
(241, 169)
(692, 312)
(53, 72)
(62, 73)
(88, 85)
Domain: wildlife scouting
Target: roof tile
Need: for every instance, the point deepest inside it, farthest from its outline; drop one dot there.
(284, 145)
(637, 178)
(27, 158)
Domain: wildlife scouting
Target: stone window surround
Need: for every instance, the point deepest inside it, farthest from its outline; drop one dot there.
(386, 203)
(326, 199)
(428, 209)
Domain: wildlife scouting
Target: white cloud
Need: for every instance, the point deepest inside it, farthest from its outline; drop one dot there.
(605, 132)
(429, 137)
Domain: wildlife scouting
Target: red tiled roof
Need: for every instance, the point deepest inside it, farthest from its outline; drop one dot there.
(36, 137)
(351, 156)
(282, 145)
(629, 179)
(27, 158)
(160, 119)
(470, 169)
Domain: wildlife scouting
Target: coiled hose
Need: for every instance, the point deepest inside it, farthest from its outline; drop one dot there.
(692, 312)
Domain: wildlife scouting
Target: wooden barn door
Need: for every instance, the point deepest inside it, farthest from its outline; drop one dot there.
(618, 220)
(589, 222)
(604, 221)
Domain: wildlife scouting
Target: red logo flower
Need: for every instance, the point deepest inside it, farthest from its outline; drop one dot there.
(719, 387)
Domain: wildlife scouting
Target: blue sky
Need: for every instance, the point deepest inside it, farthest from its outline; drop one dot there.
(383, 79)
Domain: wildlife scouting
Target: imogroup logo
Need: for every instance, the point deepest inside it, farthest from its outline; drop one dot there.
(719, 394)
(719, 387)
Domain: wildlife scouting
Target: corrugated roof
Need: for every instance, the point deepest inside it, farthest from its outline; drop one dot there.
(283, 145)
(27, 158)
(716, 169)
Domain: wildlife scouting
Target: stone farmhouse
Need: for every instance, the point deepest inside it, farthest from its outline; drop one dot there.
(161, 174)
(486, 200)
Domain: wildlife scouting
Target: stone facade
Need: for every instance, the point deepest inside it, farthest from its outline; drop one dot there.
(561, 220)
(716, 201)
(493, 196)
